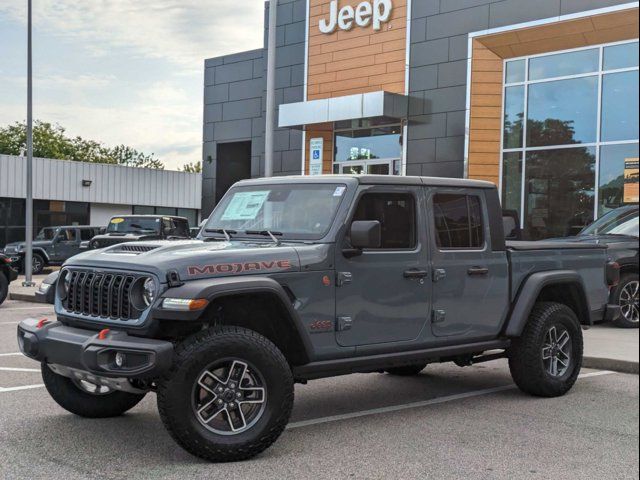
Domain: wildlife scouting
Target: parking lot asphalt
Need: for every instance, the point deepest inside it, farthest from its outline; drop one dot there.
(447, 422)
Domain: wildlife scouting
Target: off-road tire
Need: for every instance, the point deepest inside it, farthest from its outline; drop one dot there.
(407, 370)
(4, 287)
(40, 262)
(192, 356)
(625, 280)
(70, 397)
(525, 354)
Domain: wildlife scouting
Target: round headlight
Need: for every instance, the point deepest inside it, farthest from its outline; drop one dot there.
(65, 283)
(149, 291)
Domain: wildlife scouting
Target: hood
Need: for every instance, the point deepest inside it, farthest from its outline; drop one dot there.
(109, 239)
(36, 243)
(193, 259)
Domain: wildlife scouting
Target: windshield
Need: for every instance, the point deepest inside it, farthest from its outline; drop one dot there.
(47, 234)
(298, 211)
(133, 225)
(619, 221)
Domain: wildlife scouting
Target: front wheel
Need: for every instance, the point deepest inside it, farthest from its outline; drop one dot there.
(546, 359)
(87, 399)
(228, 396)
(37, 264)
(626, 295)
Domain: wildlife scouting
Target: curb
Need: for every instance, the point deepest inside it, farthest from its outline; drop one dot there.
(621, 366)
(25, 297)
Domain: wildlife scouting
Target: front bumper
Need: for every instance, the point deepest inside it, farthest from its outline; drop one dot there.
(80, 349)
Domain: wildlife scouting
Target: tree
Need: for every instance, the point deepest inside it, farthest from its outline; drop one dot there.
(50, 141)
(193, 167)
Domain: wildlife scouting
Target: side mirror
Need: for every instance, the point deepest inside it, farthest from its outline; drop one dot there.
(366, 234)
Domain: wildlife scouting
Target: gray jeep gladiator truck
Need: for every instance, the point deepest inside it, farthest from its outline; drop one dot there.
(299, 278)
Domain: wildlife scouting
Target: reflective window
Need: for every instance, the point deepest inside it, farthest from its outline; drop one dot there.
(559, 191)
(458, 221)
(621, 56)
(513, 116)
(396, 214)
(368, 143)
(515, 71)
(618, 179)
(620, 106)
(562, 112)
(512, 181)
(564, 64)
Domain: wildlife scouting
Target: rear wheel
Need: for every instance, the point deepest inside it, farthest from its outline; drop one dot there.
(546, 359)
(626, 295)
(228, 396)
(407, 370)
(87, 399)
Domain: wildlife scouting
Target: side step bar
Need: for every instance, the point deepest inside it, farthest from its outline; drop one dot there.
(370, 363)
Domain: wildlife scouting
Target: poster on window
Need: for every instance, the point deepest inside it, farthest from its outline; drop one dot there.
(315, 156)
(631, 180)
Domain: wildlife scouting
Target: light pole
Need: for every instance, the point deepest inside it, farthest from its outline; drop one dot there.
(271, 89)
(28, 254)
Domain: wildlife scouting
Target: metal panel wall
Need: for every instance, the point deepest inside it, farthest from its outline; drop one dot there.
(112, 184)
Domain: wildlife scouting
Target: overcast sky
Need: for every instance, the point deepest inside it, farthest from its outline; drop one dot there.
(122, 71)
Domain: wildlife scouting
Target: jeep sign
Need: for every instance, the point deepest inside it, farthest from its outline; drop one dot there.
(363, 15)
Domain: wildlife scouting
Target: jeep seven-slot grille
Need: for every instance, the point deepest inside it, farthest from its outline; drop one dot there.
(106, 295)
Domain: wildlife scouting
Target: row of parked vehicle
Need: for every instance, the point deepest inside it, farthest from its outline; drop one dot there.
(55, 245)
(618, 229)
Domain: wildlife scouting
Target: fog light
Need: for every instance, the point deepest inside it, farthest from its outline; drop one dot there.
(120, 359)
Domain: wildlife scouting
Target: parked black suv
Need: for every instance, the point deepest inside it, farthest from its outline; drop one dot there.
(52, 246)
(618, 229)
(131, 228)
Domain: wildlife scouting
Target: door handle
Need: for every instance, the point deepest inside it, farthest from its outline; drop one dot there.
(477, 271)
(415, 273)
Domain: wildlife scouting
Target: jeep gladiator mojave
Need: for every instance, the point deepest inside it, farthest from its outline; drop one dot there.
(298, 278)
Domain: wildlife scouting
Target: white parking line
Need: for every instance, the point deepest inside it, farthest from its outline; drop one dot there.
(14, 354)
(9, 323)
(11, 369)
(23, 387)
(425, 403)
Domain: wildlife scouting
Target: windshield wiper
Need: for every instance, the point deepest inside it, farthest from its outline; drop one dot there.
(266, 233)
(227, 233)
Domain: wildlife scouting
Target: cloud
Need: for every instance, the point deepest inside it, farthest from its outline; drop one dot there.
(183, 32)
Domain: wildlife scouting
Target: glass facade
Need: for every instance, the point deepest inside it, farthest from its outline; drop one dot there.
(570, 128)
(376, 150)
(46, 213)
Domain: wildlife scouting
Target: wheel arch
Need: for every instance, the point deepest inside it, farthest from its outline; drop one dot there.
(260, 304)
(564, 287)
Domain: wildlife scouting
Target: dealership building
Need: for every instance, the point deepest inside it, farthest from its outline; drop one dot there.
(539, 97)
(78, 193)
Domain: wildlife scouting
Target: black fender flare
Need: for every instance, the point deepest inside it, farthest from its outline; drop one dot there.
(529, 292)
(215, 288)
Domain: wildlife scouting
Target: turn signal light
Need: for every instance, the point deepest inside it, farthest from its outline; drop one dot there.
(184, 304)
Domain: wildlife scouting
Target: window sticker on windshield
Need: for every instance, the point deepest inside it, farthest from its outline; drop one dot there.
(245, 205)
(339, 191)
(117, 220)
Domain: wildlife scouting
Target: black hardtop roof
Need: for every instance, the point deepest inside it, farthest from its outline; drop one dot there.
(373, 180)
(73, 226)
(149, 216)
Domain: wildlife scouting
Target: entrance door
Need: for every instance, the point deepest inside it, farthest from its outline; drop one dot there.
(369, 167)
(232, 165)
(383, 294)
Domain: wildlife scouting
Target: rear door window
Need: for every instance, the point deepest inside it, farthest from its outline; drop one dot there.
(458, 221)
